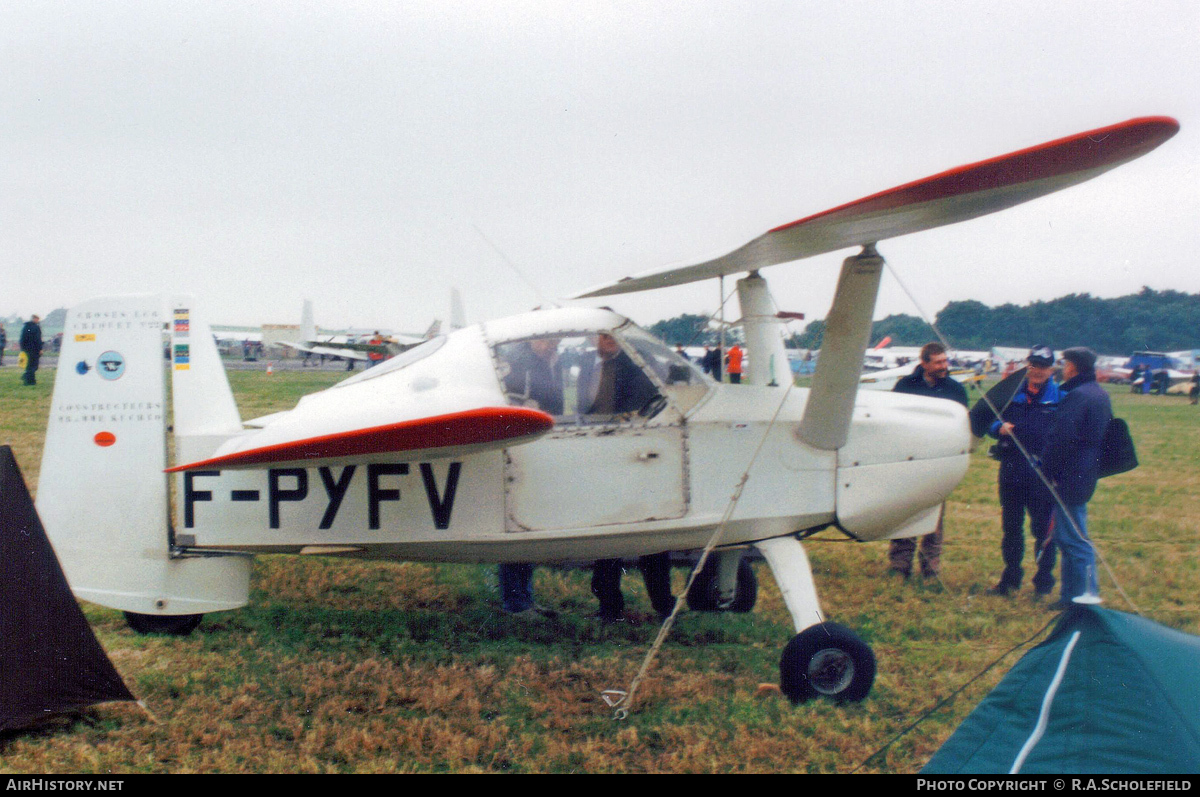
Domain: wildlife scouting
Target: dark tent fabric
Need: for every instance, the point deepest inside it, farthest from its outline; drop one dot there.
(1106, 692)
(50, 661)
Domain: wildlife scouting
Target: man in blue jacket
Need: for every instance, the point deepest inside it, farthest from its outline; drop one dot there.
(1026, 420)
(1071, 459)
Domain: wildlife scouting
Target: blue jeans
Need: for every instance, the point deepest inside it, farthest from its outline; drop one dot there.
(1078, 556)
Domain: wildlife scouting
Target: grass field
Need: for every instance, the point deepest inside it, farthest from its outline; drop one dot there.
(340, 666)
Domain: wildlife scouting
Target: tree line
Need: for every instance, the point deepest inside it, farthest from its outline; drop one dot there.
(1149, 320)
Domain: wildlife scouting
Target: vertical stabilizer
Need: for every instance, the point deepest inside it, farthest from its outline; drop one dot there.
(102, 492)
(205, 412)
(458, 316)
(308, 328)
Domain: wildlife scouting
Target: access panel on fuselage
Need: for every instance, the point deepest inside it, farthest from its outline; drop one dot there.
(583, 477)
(360, 504)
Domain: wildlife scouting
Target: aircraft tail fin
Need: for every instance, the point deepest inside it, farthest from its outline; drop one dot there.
(205, 414)
(308, 328)
(458, 316)
(103, 494)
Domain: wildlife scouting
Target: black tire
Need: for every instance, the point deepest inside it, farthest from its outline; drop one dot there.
(170, 624)
(826, 660)
(702, 597)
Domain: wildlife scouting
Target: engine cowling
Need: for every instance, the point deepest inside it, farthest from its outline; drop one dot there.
(903, 457)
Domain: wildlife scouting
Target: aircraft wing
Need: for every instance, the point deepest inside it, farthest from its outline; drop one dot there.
(952, 196)
(296, 346)
(345, 353)
(328, 351)
(451, 434)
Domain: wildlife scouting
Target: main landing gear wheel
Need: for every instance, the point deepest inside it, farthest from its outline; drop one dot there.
(826, 660)
(170, 624)
(703, 597)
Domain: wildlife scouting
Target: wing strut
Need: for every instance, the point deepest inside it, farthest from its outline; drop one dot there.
(826, 421)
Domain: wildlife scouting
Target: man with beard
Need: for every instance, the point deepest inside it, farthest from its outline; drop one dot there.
(930, 378)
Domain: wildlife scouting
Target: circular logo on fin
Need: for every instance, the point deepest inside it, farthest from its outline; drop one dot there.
(105, 439)
(111, 365)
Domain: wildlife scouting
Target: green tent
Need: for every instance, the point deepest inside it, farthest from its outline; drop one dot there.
(1106, 692)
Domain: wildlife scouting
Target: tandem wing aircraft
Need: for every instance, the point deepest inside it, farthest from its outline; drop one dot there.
(461, 449)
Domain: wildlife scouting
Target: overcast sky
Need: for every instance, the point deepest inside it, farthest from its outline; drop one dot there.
(371, 155)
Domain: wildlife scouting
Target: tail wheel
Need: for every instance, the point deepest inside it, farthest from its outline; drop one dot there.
(826, 660)
(704, 597)
(170, 624)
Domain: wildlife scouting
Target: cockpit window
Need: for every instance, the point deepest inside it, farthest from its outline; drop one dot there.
(671, 368)
(683, 382)
(592, 378)
(535, 373)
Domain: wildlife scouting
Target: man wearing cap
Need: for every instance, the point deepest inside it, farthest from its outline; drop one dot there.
(1026, 419)
(930, 378)
(1071, 459)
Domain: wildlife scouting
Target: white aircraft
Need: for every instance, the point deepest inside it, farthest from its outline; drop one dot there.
(456, 451)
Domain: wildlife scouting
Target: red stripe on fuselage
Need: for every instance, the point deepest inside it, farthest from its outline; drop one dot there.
(472, 427)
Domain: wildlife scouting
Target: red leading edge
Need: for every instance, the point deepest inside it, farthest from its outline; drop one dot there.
(472, 427)
(1102, 148)
(957, 195)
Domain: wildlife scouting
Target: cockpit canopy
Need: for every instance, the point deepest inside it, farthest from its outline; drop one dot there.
(592, 366)
(580, 365)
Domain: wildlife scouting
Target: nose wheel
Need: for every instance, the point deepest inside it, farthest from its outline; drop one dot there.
(826, 660)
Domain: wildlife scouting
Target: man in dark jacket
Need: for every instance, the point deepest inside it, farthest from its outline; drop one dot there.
(712, 362)
(931, 378)
(31, 344)
(610, 383)
(1071, 459)
(535, 378)
(1026, 419)
(616, 386)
